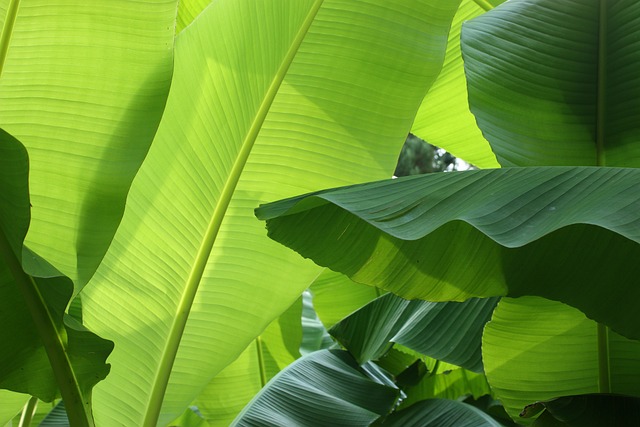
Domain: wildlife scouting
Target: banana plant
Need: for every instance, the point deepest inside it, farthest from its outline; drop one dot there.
(267, 99)
(551, 88)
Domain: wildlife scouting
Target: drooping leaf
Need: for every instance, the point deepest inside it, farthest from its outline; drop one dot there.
(441, 413)
(444, 118)
(44, 352)
(553, 232)
(83, 85)
(326, 387)
(554, 350)
(449, 331)
(267, 97)
(550, 82)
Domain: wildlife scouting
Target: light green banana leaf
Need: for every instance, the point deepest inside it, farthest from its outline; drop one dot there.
(229, 392)
(335, 296)
(188, 10)
(83, 84)
(554, 350)
(11, 403)
(447, 382)
(269, 99)
(444, 118)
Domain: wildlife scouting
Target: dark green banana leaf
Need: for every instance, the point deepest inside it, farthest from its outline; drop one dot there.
(441, 413)
(324, 388)
(45, 349)
(565, 233)
(556, 83)
(448, 331)
(591, 410)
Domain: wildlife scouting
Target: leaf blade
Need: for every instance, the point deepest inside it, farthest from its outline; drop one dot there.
(449, 237)
(224, 65)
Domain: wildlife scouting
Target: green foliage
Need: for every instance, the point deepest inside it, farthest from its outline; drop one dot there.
(189, 280)
(149, 131)
(542, 98)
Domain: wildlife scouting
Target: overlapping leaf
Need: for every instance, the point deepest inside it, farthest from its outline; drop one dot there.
(83, 85)
(441, 413)
(44, 351)
(593, 410)
(269, 99)
(10, 404)
(335, 296)
(326, 387)
(553, 82)
(277, 347)
(188, 10)
(447, 382)
(554, 232)
(444, 118)
(449, 331)
(553, 349)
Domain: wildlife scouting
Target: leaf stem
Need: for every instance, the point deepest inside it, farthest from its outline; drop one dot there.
(195, 276)
(7, 31)
(53, 339)
(484, 4)
(263, 373)
(604, 369)
(28, 411)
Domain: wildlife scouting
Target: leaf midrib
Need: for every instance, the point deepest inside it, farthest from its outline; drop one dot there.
(484, 4)
(7, 31)
(53, 339)
(604, 368)
(195, 276)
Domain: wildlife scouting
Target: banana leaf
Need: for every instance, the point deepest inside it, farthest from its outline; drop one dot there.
(593, 410)
(83, 84)
(560, 233)
(45, 352)
(444, 118)
(555, 82)
(11, 403)
(335, 296)
(324, 388)
(556, 351)
(448, 331)
(441, 413)
(230, 391)
(268, 99)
